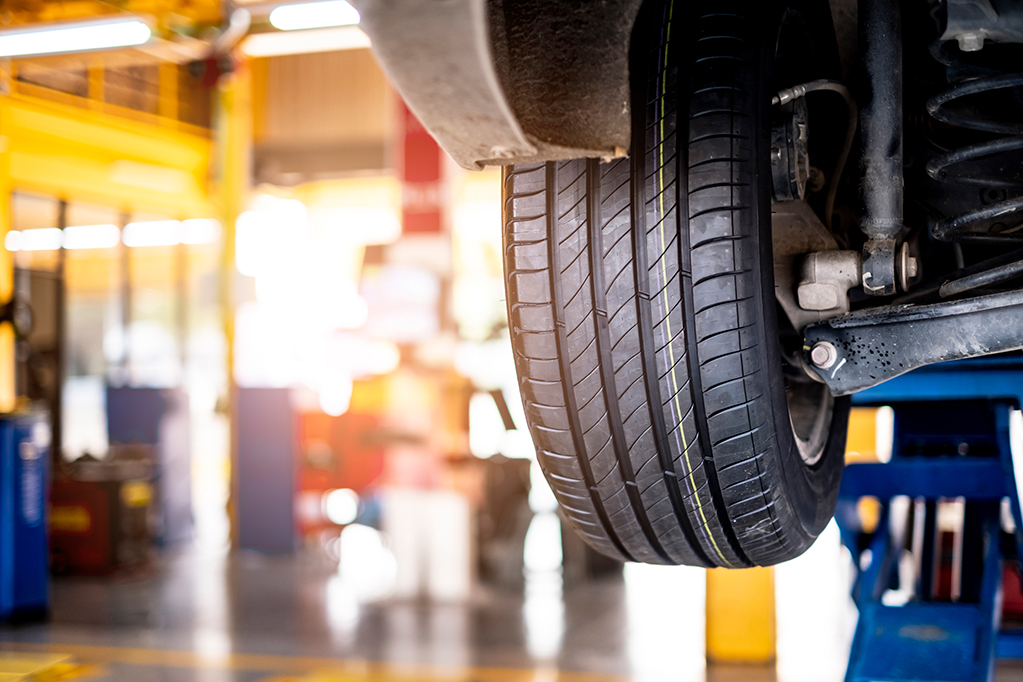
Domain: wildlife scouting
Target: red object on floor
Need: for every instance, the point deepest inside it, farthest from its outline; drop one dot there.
(1012, 592)
(80, 532)
(335, 452)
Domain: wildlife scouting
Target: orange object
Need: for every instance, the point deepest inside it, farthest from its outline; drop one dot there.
(335, 452)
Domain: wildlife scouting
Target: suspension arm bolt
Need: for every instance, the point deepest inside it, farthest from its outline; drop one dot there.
(823, 354)
(970, 42)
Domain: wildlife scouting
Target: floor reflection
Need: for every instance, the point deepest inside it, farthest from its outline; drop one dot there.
(253, 618)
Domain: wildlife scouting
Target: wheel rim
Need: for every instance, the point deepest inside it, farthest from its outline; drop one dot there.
(810, 412)
(810, 403)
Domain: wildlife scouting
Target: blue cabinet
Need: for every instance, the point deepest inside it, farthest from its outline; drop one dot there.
(24, 481)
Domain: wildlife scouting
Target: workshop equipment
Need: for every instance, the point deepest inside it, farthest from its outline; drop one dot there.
(102, 511)
(157, 420)
(267, 440)
(24, 474)
(951, 447)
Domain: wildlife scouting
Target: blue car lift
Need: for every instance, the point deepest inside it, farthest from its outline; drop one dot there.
(951, 441)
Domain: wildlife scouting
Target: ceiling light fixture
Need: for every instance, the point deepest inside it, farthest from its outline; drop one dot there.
(314, 15)
(152, 233)
(41, 39)
(279, 43)
(42, 239)
(91, 236)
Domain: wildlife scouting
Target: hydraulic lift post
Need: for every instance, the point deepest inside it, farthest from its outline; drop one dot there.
(951, 442)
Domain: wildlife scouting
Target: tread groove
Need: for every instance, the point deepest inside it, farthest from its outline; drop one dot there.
(683, 193)
(606, 362)
(566, 367)
(648, 350)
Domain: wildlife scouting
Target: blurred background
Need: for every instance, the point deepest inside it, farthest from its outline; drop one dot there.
(258, 325)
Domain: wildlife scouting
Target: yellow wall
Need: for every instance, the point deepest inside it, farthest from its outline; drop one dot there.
(77, 154)
(73, 153)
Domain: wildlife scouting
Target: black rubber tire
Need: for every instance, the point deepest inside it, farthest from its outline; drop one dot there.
(642, 313)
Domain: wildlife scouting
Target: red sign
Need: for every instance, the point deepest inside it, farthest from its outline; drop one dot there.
(419, 169)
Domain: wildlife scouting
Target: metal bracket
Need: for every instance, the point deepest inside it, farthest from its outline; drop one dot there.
(861, 350)
(970, 22)
(827, 278)
(812, 277)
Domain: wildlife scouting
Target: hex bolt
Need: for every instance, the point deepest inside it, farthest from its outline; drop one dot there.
(912, 267)
(907, 267)
(970, 42)
(823, 354)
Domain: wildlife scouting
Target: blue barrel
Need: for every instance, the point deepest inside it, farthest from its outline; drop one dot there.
(24, 481)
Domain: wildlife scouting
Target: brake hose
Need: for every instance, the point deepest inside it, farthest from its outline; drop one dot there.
(797, 91)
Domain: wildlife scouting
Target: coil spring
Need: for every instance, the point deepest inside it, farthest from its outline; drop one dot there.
(998, 222)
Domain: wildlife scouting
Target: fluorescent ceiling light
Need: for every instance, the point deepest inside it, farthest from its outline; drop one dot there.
(45, 239)
(152, 233)
(91, 236)
(78, 37)
(314, 15)
(275, 44)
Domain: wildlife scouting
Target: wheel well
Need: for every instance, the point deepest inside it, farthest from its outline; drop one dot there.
(564, 67)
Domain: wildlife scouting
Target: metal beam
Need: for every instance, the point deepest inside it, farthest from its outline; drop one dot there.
(872, 346)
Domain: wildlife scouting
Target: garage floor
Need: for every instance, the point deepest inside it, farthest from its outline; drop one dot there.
(251, 618)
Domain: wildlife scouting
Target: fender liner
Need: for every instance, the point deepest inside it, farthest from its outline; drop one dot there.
(510, 81)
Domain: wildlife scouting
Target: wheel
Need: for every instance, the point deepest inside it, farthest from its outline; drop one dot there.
(641, 304)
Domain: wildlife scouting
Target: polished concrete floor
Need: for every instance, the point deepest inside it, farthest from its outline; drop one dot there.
(209, 617)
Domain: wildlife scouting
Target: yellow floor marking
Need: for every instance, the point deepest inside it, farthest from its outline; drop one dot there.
(340, 670)
(69, 671)
(527, 676)
(41, 667)
(18, 666)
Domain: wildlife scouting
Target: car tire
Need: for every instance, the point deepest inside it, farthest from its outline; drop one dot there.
(641, 305)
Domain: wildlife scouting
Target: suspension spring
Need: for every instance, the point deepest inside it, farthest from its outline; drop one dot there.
(1002, 220)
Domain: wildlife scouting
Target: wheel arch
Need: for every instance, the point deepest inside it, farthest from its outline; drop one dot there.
(511, 81)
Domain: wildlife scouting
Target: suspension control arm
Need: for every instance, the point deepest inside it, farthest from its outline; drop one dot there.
(863, 349)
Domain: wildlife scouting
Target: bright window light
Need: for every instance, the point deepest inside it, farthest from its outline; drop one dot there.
(486, 427)
(91, 236)
(200, 231)
(361, 225)
(252, 251)
(45, 239)
(263, 236)
(275, 44)
(153, 233)
(77, 37)
(314, 15)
